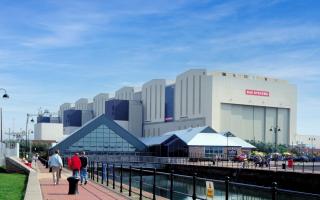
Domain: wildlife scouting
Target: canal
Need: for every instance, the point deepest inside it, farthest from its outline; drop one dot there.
(183, 188)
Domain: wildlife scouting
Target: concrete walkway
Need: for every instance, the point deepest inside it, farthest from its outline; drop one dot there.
(90, 191)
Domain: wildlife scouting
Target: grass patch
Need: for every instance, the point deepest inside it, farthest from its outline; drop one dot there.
(12, 186)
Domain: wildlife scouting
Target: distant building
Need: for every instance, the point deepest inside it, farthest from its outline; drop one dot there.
(99, 136)
(99, 104)
(255, 108)
(126, 113)
(48, 131)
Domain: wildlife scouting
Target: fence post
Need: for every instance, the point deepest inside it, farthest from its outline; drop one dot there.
(121, 178)
(274, 191)
(102, 172)
(93, 165)
(171, 185)
(97, 172)
(293, 166)
(107, 174)
(130, 173)
(227, 186)
(140, 194)
(313, 159)
(154, 184)
(113, 177)
(194, 195)
(90, 169)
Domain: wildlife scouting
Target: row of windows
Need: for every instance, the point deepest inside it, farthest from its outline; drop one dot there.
(212, 151)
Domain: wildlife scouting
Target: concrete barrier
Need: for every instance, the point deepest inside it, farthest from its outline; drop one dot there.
(33, 190)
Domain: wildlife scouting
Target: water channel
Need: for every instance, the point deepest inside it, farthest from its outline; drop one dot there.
(183, 189)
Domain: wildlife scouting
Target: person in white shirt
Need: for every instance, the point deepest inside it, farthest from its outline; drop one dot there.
(55, 162)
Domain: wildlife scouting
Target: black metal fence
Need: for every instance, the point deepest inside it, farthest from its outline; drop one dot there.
(144, 184)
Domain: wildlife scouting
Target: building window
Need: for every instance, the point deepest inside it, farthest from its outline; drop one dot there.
(209, 152)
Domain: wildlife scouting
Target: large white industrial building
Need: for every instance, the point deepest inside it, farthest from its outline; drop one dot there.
(251, 107)
(248, 106)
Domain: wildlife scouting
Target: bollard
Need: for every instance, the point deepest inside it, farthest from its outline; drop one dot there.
(154, 184)
(302, 166)
(227, 186)
(140, 194)
(194, 195)
(121, 178)
(274, 191)
(171, 185)
(107, 174)
(130, 173)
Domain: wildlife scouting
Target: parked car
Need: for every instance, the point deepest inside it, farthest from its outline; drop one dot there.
(240, 158)
(301, 159)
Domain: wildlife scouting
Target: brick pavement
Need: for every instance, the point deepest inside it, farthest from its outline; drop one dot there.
(91, 191)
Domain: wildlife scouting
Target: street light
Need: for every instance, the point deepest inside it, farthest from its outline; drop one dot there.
(275, 130)
(312, 139)
(5, 96)
(27, 135)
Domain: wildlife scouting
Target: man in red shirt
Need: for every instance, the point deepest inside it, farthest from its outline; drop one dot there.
(75, 164)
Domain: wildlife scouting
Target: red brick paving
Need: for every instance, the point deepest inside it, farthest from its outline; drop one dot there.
(91, 191)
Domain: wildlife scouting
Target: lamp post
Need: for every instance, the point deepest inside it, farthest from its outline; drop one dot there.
(275, 130)
(312, 139)
(5, 96)
(227, 145)
(27, 135)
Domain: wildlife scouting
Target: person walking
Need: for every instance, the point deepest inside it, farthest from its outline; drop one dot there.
(55, 162)
(75, 164)
(83, 169)
(34, 159)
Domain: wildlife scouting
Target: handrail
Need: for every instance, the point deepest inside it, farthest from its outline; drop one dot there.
(142, 172)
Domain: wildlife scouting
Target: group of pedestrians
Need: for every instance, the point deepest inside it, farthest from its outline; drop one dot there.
(78, 165)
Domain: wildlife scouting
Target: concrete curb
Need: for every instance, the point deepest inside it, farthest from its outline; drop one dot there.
(33, 190)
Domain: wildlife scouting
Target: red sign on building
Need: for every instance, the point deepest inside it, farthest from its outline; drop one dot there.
(257, 93)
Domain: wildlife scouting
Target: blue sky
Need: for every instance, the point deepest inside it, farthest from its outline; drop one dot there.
(54, 51)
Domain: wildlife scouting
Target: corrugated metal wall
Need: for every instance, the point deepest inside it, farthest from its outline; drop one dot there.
(254, 122)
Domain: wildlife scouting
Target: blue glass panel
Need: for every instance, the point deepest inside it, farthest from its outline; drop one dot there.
(117, 109)
(169, 103)
(72, 118)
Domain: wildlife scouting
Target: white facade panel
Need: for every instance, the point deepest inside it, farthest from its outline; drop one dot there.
(190, 93)
(48, 131)
(99, 104)
(123, 124)
(81, 104)
(153, 99)
(125, 93)
(70, 129)
(259, 123)
(273, 94)
(62, 108)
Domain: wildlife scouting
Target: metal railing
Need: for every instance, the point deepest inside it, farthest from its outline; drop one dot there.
(112, 174)
(196, 160)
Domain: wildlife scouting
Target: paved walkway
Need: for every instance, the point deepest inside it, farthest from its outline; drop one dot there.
(91, 191)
